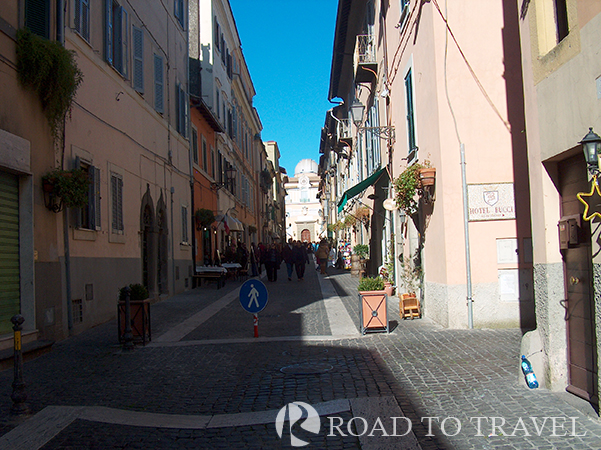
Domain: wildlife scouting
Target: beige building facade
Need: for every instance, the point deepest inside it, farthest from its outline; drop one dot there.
(562, 86)
(303, 209)
(432, 95)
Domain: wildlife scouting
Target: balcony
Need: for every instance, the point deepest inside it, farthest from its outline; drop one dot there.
(366, 66)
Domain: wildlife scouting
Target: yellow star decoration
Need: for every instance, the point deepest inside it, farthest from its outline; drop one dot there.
(592, 202)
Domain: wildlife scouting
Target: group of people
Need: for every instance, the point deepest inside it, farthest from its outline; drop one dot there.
(295, 254)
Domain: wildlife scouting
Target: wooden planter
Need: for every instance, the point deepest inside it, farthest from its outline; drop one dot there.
(427, 176)
(409, 306)
(374, 311)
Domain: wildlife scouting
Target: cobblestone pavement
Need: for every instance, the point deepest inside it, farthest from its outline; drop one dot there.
(218, 369)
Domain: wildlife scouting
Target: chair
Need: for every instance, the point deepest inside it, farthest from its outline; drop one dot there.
(409, 306)
(243, 272)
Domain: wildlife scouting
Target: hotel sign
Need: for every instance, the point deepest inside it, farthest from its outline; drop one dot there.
(490, 202)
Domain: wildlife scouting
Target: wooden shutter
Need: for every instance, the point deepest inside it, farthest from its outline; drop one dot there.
(158, 83)
(10, 291)
(94, 200)
(37, 17)
(138, 56)
(108, 30)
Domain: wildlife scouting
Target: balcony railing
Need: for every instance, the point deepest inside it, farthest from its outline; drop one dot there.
(365, 49)
(365, 57)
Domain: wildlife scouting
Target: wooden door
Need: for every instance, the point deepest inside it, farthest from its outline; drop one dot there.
(578, 276)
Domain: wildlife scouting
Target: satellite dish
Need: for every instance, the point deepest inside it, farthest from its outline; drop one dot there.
(389, 204)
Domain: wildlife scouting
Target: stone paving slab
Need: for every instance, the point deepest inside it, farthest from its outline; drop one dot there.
(430, 371)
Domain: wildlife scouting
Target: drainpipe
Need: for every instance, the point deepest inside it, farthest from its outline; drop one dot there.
(466, 230)
(172, 242)
(60, 37)
(60, 22)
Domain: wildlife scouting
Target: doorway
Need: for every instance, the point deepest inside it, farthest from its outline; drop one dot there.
(578, 281)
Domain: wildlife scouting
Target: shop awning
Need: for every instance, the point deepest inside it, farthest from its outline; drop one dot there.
(358, 188)
(232, 223)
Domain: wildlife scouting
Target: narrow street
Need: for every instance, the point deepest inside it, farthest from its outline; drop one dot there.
(205, 382)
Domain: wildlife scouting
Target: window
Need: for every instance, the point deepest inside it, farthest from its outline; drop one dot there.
(158, 83)
(405, 9)
(88, 217)
(412, 147)
(115, 36)
(217, 104)
(82, 18)
(117, 203)
(205, 165)
(184, 224)
(138, 78)
(37, 17)
(217, 34)
(561, 19)
(194, 145)
(181, 110)
(213, 162)
(179, 12)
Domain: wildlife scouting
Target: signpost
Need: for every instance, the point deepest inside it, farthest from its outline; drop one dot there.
(253, 298)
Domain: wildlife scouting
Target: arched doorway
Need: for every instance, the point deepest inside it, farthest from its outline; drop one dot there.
(163, 247)
(147, 227)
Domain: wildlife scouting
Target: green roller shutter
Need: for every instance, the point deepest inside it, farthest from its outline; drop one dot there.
(9, 250)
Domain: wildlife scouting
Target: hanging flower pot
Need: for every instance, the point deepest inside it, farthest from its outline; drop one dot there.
(427, 176)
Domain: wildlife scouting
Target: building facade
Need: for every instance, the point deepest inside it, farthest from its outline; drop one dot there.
(417, 90)
(303, 210)
(228, 92)
(562, 86)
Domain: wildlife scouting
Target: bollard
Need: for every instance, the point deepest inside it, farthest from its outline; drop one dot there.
(128, 338)
(19, 396)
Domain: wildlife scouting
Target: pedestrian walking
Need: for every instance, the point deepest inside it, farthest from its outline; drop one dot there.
(300, 257)
(322, 256)
(272, 263)
(288, 255)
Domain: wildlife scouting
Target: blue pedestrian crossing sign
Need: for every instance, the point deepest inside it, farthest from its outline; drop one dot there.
(253, 296)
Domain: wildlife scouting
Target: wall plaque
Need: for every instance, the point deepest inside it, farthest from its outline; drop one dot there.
(490, 202)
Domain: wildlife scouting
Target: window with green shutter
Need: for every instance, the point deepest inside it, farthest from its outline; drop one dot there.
(10, 291)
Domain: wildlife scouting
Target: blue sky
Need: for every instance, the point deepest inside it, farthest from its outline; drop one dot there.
(288, 49)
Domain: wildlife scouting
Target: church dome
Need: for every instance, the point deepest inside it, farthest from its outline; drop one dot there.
(305, 166)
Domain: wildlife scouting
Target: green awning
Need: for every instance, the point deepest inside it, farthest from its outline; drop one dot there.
(358, 188)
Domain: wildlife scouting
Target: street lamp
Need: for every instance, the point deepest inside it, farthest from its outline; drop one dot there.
(591, 145)
(230, 174)
(357, 110)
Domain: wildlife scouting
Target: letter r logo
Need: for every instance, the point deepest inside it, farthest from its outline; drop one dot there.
(293, 412)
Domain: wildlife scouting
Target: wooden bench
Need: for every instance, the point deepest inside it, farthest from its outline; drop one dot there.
(211, 276)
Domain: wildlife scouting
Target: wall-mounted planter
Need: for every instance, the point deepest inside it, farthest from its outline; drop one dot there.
(427, 176)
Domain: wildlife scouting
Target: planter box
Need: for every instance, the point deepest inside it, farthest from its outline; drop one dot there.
(140, 320)
(374, 311)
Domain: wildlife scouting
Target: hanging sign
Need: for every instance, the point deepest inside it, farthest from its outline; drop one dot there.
(591, 201)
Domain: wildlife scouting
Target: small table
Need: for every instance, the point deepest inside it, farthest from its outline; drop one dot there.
(210, 273)
(232, 268)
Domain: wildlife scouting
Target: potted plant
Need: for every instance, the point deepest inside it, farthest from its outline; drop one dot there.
(361, 250)
(50, 70)
(374, 304)
(139, 313)
(412, 183)
(204, 218)
(68, 188)
(386, 277)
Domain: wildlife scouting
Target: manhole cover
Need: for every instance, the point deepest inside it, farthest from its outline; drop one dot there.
(306, 368)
